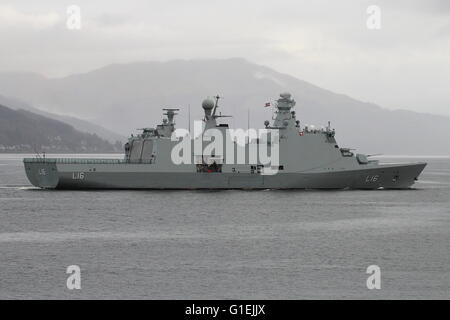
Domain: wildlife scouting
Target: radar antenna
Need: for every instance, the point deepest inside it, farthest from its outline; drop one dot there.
(171, 109)
(170, 113)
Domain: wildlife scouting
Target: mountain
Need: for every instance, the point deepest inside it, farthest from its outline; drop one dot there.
(122, 97)
(24, 131)
(79, 124)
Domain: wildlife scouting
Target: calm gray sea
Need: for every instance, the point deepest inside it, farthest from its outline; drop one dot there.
(225, 244)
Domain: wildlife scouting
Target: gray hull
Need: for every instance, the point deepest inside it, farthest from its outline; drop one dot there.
(51, 175)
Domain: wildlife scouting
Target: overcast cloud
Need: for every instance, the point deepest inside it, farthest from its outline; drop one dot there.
(405, 64)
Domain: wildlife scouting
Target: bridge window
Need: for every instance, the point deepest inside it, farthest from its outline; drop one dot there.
(346, 152)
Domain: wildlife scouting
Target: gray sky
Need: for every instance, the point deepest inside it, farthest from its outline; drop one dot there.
(405, 64)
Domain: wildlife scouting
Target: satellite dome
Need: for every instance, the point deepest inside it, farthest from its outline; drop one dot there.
(285, 95)
(208, 104)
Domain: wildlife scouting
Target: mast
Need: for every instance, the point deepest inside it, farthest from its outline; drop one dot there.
(248, 119)
(189, 118)
(248, 125)
(217, 97)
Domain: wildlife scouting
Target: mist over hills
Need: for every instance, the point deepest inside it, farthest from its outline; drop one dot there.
(124, 97)
(78, 124)
(24, 131)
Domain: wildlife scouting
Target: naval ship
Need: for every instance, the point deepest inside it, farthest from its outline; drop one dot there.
(309, 158)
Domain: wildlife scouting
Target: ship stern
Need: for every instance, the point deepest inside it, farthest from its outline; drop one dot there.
(42, 173)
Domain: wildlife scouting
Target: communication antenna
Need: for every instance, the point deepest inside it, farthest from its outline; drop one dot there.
(216, 105)
(189, 118)
(248, 125)
(214, 116)
(248, 119)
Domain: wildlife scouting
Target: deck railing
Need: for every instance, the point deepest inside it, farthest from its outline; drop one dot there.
(85, 161)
